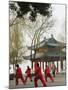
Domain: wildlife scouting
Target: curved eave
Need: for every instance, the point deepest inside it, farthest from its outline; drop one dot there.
(47, 45)
(44, 55)
(51, 42)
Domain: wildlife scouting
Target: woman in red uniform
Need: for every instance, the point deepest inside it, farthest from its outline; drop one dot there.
(28, 74)
(19, 74)
(48, 74)
(38, 76)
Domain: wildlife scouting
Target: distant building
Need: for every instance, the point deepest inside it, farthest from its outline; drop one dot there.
(48, 51)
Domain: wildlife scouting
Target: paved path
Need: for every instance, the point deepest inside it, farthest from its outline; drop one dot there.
(59, 80)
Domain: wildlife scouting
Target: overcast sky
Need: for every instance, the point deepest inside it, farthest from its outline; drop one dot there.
(59, 15)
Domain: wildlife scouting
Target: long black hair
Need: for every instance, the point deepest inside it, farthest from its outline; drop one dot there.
(17, 65)
(37, 64)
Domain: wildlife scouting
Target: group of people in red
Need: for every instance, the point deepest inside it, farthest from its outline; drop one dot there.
(37, 75)
(20, 76)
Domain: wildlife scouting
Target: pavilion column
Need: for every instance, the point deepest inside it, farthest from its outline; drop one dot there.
(61, 64)
(64, 65)
(50, 64)
(43, 65)
(53, 62)
(40, 63)
(57, 67)
(32, 65)
(46, 63)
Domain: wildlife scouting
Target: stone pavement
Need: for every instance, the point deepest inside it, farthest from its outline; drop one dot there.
(59, 80)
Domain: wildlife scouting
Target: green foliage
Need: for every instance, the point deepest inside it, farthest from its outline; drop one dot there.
(35, 33)
(16, 46)
(34, 8)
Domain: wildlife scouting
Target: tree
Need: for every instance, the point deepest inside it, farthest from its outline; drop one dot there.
(18, 11)
(16, 46)
(22, 8)
(36, 33)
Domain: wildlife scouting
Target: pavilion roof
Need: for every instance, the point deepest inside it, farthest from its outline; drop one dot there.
(51, 53)
(50, 42)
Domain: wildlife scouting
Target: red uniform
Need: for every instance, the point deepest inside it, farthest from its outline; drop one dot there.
(47, 74)
(28, 74)
(38, 75)
(19, 75)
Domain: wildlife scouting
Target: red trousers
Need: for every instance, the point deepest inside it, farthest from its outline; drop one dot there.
(19, 77)
(39, 78)
(49, 75)
(28, 76)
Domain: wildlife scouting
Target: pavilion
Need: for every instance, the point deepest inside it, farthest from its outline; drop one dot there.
(47, 51)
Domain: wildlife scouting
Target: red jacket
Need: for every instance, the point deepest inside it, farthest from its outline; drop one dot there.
(35, 67)
(47, 70)
(18, 72)
(37, 70)
(28, 71)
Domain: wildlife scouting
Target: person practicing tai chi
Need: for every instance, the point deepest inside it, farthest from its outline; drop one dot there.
(39, 75)
(53, 70)
(19, 74)
(48, 74)
(28, 74)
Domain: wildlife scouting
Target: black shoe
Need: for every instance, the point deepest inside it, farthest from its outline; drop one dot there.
(16, 84)
(45, 86)
(31, 80)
